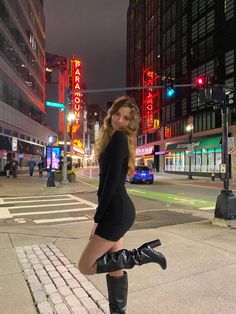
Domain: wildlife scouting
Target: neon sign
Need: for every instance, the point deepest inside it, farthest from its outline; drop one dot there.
(77, 97)
(151, 101)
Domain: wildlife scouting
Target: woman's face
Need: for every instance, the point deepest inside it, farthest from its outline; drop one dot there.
(121, 118)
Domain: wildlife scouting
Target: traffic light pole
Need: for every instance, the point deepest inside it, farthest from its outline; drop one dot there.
(226, 200)
(190, 137)
(64, 168)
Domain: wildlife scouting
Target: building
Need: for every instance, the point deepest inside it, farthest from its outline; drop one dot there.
(22, 81)
(57, 71)
(180, 40)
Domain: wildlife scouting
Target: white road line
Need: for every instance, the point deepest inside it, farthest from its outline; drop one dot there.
(4, 213)
(45, 205)
(34, 201)
(82, 200)
(52, 211)
(33, 196)
(43, 221)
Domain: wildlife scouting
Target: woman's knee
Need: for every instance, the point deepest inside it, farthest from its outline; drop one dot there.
(84, 267)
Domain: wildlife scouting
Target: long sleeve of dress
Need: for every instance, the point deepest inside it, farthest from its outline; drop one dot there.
(119, 150)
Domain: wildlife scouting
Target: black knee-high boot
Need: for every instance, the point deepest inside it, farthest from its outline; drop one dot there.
(124, 259)
(117, 293)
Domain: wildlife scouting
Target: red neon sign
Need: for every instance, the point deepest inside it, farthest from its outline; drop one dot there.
(151, 101)
(77, 97)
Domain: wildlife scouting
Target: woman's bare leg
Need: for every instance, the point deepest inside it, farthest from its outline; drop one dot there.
(95, 248)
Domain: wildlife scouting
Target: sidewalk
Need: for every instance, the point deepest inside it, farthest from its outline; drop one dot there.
(200, 277)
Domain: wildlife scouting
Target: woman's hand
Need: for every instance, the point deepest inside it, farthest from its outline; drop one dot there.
(93, 230)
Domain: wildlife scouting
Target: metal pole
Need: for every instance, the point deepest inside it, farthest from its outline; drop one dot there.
(51, 159)
(226, 200)
(225, 156)
(64, 168)
(190, 155)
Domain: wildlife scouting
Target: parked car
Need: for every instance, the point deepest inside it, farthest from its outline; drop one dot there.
(141, 174)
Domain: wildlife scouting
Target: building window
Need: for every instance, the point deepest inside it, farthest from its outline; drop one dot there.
(210, 21)
(194, 9)
(184, 24)
(229, 62)
(184, 107)
(229, 9)
(194, 32)
(172, 111)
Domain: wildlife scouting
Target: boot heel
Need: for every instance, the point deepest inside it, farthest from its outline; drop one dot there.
(154, 244)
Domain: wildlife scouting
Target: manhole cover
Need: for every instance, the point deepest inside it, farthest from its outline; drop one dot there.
(143, 217)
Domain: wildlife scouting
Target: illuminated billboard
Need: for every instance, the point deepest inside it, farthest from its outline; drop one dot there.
(56, 151)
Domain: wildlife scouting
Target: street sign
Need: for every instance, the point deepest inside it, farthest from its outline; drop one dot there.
(231, 150)
(55, 104)
(14, 144)
(231, 147)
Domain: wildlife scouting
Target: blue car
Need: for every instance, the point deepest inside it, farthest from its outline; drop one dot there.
(142, 174)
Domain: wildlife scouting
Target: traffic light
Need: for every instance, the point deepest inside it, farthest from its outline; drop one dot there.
(204, 81)
(169, 87)
(200, 81)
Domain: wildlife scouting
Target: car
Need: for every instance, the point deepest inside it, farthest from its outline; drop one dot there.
(141, 174)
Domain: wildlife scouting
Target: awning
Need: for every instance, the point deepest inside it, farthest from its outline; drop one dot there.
(198, 143)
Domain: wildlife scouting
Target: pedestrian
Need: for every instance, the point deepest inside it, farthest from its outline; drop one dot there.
(14, 166)
(41, 167)
(7, 169)
(115, 212)
(31, 165)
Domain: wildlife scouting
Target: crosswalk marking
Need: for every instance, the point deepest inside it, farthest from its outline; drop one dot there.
(16, 208)
(4, 213)
(52, 211)
(43, 221)
(35, 196)
(82, 200)
(34, 201)
(44, 205)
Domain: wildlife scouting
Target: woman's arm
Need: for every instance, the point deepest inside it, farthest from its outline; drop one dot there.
(119, 150)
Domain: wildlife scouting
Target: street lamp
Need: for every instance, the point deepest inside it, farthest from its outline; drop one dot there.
(189, 129)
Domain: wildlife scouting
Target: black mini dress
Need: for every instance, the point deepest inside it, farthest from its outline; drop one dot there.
(115, 213)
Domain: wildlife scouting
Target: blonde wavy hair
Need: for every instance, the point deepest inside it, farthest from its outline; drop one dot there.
(106, 130)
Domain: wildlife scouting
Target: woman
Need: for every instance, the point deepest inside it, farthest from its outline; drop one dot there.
(115, 213)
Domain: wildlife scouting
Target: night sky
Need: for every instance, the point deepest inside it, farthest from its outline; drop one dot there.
(95, 30)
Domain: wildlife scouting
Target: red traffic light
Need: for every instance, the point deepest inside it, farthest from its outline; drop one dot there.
(200, 81)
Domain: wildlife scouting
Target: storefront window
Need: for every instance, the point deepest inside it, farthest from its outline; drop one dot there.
(198, 166)
(202, 160)
(218, 158)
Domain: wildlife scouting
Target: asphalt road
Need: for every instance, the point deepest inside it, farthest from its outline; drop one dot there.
(163, 203)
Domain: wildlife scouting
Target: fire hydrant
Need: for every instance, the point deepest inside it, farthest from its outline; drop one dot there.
(213, 177)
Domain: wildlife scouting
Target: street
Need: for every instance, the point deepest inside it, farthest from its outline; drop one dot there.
(44, 230)
(164, 203)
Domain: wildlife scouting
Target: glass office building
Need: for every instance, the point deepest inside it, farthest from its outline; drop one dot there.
(191, 39)
(22, 80)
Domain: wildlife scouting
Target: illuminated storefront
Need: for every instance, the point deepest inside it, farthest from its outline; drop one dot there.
(144, 155)
(205, 157)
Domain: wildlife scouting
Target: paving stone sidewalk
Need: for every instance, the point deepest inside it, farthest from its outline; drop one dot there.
(56, 285)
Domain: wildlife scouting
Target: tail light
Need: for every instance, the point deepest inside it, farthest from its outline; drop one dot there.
(134, 173)
(151, 172)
